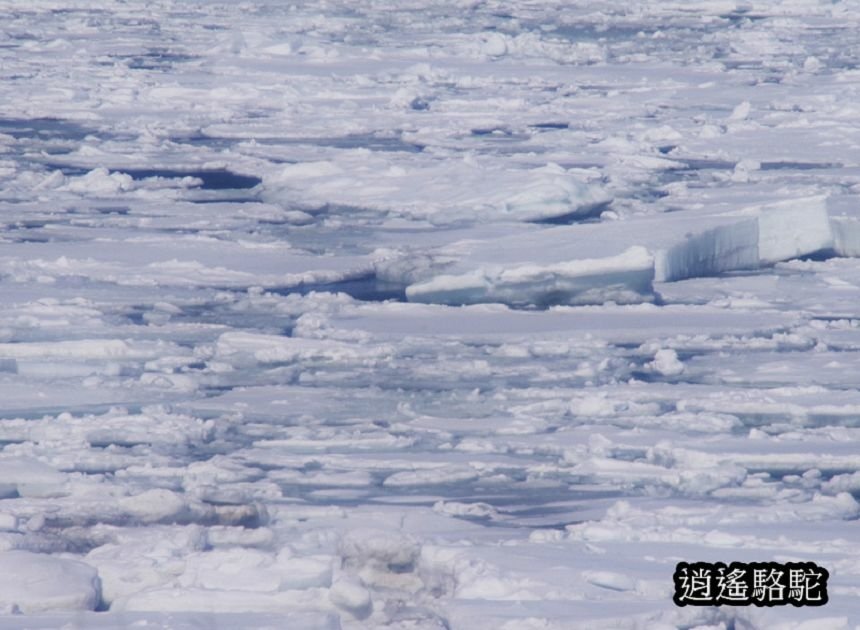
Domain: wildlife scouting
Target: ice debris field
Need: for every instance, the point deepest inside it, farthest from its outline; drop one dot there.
(450, 314)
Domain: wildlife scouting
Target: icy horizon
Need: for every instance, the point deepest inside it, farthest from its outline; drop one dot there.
(426, 315)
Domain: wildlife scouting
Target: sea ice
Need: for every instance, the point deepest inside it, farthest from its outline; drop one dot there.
(425, 315)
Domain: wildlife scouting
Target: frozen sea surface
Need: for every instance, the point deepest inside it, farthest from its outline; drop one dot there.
(425, 315)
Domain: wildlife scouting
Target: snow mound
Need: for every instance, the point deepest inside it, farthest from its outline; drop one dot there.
(34, 583)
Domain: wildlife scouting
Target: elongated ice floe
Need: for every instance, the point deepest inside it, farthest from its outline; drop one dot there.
(626, 277)
(421, 187)
(619, 262)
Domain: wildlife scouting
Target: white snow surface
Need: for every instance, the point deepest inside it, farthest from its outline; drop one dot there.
(422, 315)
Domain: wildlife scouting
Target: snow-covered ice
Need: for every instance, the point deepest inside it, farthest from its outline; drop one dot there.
(449, 314)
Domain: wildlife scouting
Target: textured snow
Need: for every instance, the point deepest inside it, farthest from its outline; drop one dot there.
(422, 315)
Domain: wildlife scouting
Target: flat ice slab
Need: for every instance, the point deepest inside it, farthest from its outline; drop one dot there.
(441, 192)
(597, 263)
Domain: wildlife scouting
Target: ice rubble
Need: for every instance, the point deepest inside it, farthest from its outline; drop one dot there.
(592, 264)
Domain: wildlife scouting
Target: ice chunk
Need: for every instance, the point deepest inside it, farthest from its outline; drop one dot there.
(494, 45)
(351, 596)
(431, 477)
(846, 235)
(231, 570)
(624, 278)
(793, 228)
(30, 478)
(728, 245)
(666, 363)
(379, 548)
(277, 349)
(741, 112)
(467, 510)
(304, 572)
(553, 197)
(154, 505)
(36, 583)
(420, 186)
(100, 181)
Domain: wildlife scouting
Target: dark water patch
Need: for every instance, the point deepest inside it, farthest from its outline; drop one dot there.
(819, 256)
(742, 16)
(27, 224)
(522, 506)
(44, 129)
(136, 318)
(157, 60)
(367, 288)
(32, 239)
(598, 32)
(220, 179)
(692, 170)
(583, 165)
(204, 140)
(582, 214)
(370, 141)
(780, 473)
(646, 376)
(221, 199)
(742, 64)
(798, 166)
(120, 210)
(549, 126)
(495, 132)
(702, 164)
(649, 195)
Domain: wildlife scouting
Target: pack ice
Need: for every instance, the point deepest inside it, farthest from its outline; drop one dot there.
(416, 315)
